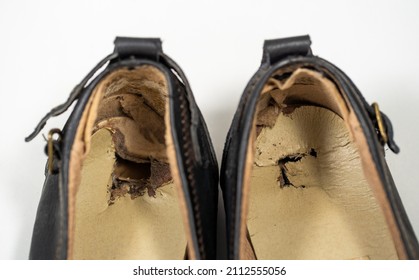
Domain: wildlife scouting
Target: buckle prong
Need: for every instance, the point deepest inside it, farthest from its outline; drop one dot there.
(50, 139)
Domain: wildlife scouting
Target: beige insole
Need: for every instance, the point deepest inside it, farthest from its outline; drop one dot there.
(309, 198)
(147, 227)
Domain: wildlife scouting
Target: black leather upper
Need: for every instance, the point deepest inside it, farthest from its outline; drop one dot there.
(277, 49)
(196, 158)
(293, 53)
(150, 48)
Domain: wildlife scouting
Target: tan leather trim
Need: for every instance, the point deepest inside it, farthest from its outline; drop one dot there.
(78, 153)
(373, 178)
(244, 243)
(172, 156)
(247, 252)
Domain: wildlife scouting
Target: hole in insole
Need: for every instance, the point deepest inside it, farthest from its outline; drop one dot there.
(137, 179)
(127, 205)
(308, 194)
(283, 179)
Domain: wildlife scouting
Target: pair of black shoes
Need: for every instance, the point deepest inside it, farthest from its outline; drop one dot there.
(133, 174)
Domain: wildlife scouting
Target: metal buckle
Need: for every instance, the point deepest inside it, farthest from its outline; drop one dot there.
(380, 122)
(51, 140)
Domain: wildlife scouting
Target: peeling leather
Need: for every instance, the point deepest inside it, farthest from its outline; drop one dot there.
(132, 115)
(129, 100)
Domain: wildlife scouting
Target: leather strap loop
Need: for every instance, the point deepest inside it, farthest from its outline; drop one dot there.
(150, 48)
(275, 50)
(74, 95)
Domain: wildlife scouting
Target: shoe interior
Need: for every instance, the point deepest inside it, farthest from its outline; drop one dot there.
(126, 205)
(309, 197)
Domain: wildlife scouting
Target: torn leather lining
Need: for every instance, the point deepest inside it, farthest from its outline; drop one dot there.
(130, 102)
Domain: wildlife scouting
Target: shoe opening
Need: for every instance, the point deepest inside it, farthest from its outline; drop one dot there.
(126, 204)
(311, 192)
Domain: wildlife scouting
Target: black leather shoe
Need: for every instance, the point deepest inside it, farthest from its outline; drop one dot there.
(133, 174)
(303, 172)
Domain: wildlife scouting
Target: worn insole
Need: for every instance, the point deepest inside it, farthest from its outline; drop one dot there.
(147, 227)
(309, 198)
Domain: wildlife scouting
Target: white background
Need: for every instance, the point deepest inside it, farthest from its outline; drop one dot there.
(46, 47)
